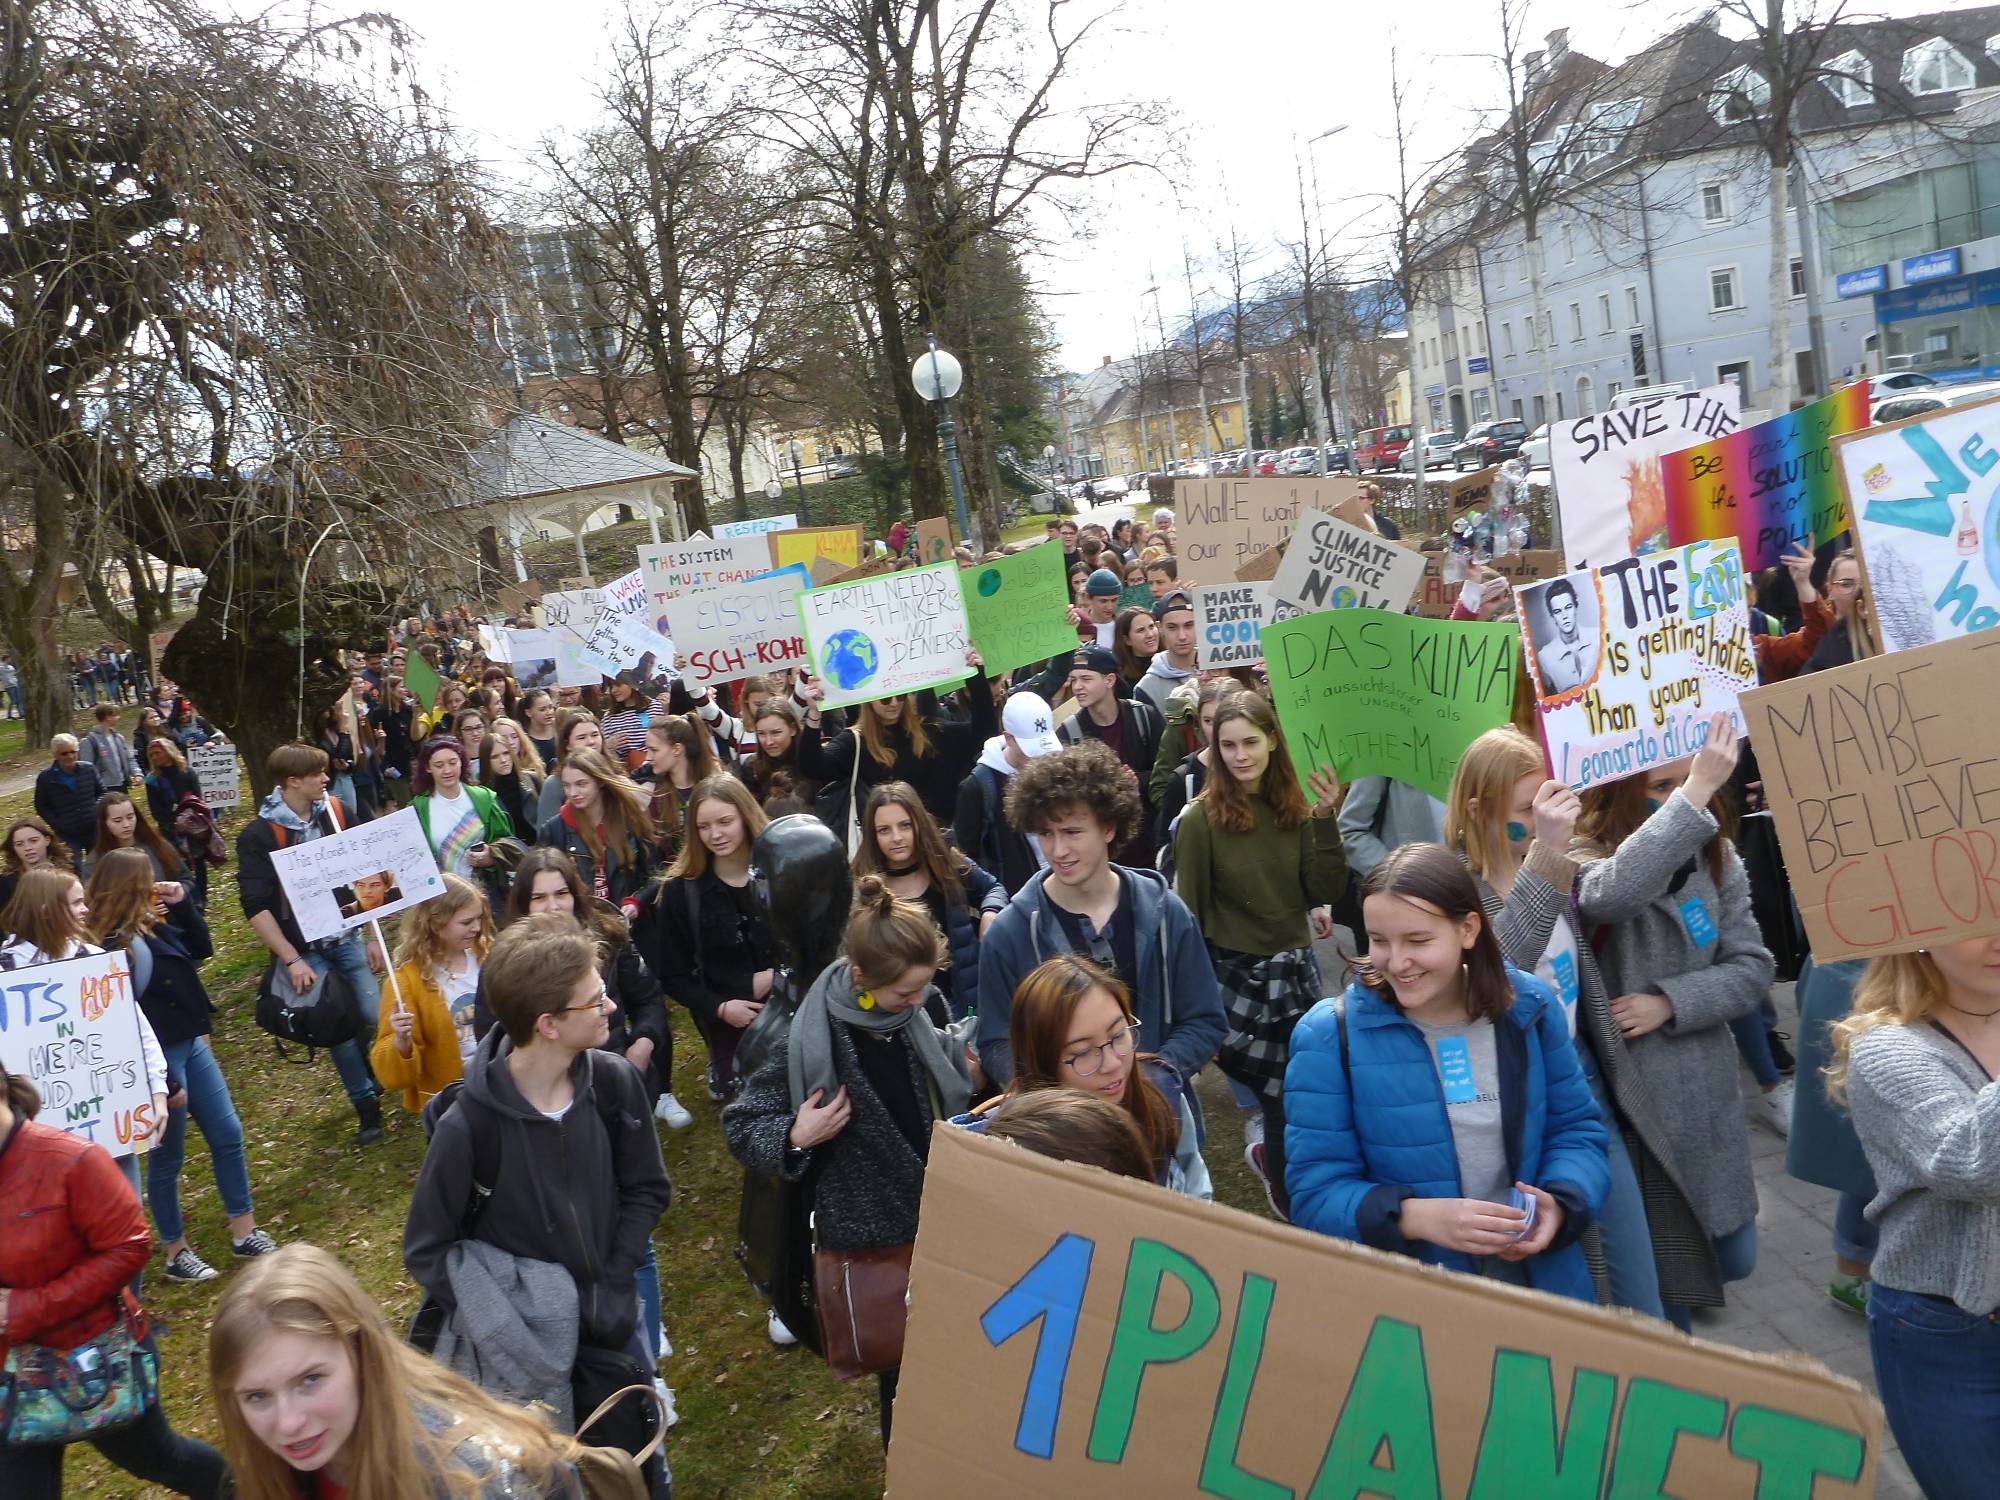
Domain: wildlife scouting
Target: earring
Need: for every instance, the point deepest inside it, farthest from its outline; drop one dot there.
(866, 1000)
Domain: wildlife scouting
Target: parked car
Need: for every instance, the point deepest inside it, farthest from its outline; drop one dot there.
(1489, 443)
(1379, 448)
(1338, 459)
(1900, 380)
(1639, 395)
(1267, 462)
(1535, 447)
(1298, 461)
(1926, 399)
(1437, 453)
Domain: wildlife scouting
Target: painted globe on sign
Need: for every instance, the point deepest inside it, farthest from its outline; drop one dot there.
(849, 660)
(1345, 597)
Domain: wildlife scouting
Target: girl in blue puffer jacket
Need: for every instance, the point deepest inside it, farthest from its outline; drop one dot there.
(1437, 1107)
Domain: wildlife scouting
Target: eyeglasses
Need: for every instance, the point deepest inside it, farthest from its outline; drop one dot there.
(598, 1004)
(1089, 1061)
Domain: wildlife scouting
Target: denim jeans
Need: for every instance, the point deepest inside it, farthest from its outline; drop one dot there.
(1622, 1230)
(350, 1059)
(1938, 1369)
(648, 1278)
(208, 1100)
(1736, 1258)
(1854, 1238)
(1753, 1044)
(149, 1449)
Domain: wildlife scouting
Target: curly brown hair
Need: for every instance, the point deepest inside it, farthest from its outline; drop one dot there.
(1087, 775)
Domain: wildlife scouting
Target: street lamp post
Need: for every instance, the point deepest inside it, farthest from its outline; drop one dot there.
(1049, 468)
(937, 376)
(1320, 423)
(799, 479)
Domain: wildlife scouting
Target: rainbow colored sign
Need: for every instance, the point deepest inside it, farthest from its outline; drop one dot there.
(1768, 486)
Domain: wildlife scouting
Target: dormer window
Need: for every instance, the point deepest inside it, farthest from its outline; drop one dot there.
(1739, 96)
(1936, 67)
(1851, 79)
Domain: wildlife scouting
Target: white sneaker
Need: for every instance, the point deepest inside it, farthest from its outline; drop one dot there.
(1773, 1108)
(666, 1344)
(1253, 1130)
(667, 1395)
(671, 1113)
(782, 1336)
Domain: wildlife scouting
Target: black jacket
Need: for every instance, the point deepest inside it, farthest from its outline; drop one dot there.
(720, 963)
(257, 885)
(175, 1002)
(165, 786)
(983, 835)
(954, 746)
(626, 877)
(1143, 728)
(582, 1191)
(70, 810)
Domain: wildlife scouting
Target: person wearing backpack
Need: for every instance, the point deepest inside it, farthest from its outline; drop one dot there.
(979, 826)
(546, 1152)
(296, 811)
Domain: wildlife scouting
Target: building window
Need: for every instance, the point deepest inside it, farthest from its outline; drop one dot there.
(1851, 77)
(1569, 244)
(1739, 372)
(1614, 388)
(1451, 345)
(1798, 276)
(1715, 203)
(1722, 290)
(1604, 312)
(1631, 307)
(1507, 339)
(1739, 96)
(1479, 338)
(1576, 321)
(1936, 67)
(1549, 329)
(1517, 417)
(1586, 399)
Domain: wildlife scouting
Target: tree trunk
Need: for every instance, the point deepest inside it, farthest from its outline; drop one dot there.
(1545, 340)
(1778, 369)
(30, 615)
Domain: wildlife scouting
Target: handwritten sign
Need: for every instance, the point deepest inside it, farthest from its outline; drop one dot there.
(1473, 491)
(1768, 486)
(1629, 661)
(840, 545)
(1229, 619)
(743, 631)
(1018, 608)
(1332, 565)
(1436, 595)
(1883, 778)
(1925, 498)
(1223, 523)
(674, 568)
(568, 616)
(897, 633)
(640, 654)
(214, 766)
(756, 526)
(1075, 1333)
(1607, 469)
(627, 595)
(531, 658)
(1375, 693)
(933, 540)
(72, 1030)
(361, 874)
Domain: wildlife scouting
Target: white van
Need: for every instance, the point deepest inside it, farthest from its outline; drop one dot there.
(1640, 395)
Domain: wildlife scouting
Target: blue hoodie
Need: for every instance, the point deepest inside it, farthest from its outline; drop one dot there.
(1178, 1003)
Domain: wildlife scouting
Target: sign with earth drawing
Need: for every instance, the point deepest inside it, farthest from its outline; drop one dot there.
(894, 633)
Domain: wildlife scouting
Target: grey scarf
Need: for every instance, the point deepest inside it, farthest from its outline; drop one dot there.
(810, 1060)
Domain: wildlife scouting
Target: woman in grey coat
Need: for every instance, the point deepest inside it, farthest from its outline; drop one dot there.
(1664, 901)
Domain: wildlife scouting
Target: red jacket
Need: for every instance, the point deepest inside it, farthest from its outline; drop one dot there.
(74, 1236)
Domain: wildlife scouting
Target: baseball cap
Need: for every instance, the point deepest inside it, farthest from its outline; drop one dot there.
(1167, 603)
(1029, 720)
(1094, 659)
(1102, 582)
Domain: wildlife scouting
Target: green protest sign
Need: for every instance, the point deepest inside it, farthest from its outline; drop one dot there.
(1018, 608)
(1135, 595)
(1377, 694)
(421, 681)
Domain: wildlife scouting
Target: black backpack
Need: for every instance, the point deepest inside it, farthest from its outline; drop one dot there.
(325, 1015)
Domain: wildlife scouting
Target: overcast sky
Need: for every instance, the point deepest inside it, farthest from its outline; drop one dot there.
(1249, 81)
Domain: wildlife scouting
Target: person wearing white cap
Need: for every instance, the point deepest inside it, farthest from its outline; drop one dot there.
(981, 831)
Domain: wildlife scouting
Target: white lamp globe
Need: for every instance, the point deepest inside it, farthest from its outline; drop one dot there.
(936, 375)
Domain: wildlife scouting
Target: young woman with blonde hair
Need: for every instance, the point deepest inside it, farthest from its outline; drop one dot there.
(319, 1399)
(605, 826)
(893, 739)
(422, 1044)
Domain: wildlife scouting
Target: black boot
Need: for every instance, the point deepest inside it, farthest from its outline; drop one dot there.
(369, 1111)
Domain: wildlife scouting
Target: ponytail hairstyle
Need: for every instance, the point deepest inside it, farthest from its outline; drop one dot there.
(123, 904)
(1492, 766)
(868, 726)
(23, 1098)
(40, 915)
(1228, 804)
(887, 937)
(1431, 875)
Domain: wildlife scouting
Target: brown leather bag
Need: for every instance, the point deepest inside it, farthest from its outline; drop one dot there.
(861, 1298)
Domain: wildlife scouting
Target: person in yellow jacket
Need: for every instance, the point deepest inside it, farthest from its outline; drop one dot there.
(421, 1044)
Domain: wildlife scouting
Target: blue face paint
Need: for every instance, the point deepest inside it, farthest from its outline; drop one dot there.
(1654, 804)
(1517, 833)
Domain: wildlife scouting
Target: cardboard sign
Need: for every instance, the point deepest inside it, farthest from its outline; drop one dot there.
(1376, 693)
(1769, 486)
(756, 526)
(821, 570)
(361, 874)
(1018, 608)
(1264, 566)
(1436, 596)
(898, 633)
(531, 658)
(1332, 565)
(1883, 778)
(934, 540)
(674, 568)
(582, 581)
(1229, 620)
(840, 545)
(1473, 491)
(868, 569)
(72, 1030)
(1925, 499)
(1607, 469)
(747, 630)
(1629, 661)
(517, 599)
(1222, 523)
(641, 655)
(568, 618)
(214, 766)
(1073, 1333)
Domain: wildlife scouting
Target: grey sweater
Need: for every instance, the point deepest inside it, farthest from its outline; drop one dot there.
(1930, 1123)
(1710, 975)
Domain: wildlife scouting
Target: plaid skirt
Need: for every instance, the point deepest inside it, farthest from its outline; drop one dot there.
(1263, 996)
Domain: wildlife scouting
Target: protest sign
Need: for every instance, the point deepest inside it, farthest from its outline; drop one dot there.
(1075, 1333)
(72, 1030)
(1926, 518)
(531, 658)
(214, 766)
(156, 646)
(361, 874)
(899, 633)
(757, 526)
(1629, 661)
(627, 595)
(1229, 619)
(581, 581)
(1883, 778)
(1473, 491)
(674, 568)
(421, 678)
(1607, 469)
(1332, 565)
(1375, 693)
(933, 540)
(642, 656)
(821, 570)
(517, 599)
(567, 617)
(840, 545)
(745, 630)
(1436, 594)
(1769, 486)
(1263, 567)
(1222, 523)
(1132, 596)
(868, 569)
(1018, 608)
